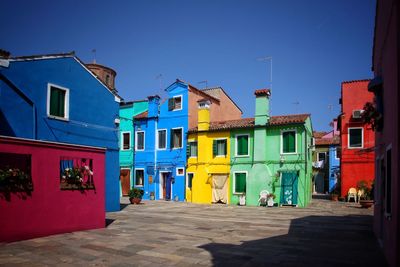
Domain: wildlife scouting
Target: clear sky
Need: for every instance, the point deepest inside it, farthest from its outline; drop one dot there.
(315, 45)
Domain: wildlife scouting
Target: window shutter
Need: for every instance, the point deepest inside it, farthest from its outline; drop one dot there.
(292, 139)
(215, 148)
(240, 183)
(171, 104)
(171, 139)
(245, 144)
(188, 150)
(225, 147)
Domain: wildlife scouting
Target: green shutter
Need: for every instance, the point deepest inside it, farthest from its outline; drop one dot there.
(292, 143)
(240, 183)
(215, 148)
(57, 102)
(242, 145)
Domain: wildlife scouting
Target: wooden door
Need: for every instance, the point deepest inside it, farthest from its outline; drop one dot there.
(125, 178)
(289, 190)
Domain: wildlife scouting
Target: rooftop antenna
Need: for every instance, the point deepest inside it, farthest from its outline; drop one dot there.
(205, 81)
(296, 103)
(94, 55)
(265, 59)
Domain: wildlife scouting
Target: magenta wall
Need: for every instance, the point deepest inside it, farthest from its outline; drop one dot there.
(50, 210)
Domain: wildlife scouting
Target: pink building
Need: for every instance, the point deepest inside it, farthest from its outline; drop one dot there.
(384, 115)
(37, 197)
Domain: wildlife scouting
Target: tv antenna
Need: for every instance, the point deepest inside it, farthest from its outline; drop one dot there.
(205, 81)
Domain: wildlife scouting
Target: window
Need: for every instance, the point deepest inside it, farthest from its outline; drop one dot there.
(57, 101)
(337, 152)
(219, 147)
(355, 137)
(180, 171)
(76, 173)
(288, 142)
(388, 188)
(176, 138)
(321, 156)
(192, 149)
(162, 139)
(239, 182)
(242, 145)
(175, 103)
(126, 140)
(189, 180)
(139, 142)
(139, 177)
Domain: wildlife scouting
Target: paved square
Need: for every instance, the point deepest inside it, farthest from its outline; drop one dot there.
(160, 233)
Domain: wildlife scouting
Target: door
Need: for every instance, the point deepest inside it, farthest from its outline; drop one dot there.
(125, 178)
(289, 190)
(319, 182)
(165, 185)
(219, 189)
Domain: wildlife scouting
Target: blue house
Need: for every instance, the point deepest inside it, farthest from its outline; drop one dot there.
(57, 98)
(334, 163)
(127, 111)
(161, 137)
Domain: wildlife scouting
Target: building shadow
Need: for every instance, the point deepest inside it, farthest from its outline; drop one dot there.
(311, 241)
(109, 222)
(123, 206)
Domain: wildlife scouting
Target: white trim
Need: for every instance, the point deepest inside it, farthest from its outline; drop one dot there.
(234, 182)
(134, 177)
(160, 184)
(144, 140)
(321, 153)
(248, 146)
(348, 138)
(66, 102)
(295, 141)
(180, 168)
(122, 141)
(182, 138)
(177, 96)
(187, 180)
(166, 139)
(226, 144)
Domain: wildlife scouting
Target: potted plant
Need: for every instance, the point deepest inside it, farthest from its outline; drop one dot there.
(335, 194)
(270, 199)
(152, 196)
(367, 193)
(135, 195)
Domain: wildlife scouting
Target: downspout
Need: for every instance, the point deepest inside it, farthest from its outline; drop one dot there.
(155, 156)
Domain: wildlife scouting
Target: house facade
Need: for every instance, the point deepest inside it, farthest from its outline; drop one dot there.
(127, 111)
(357, 139)
(54, 96)
(161, 137)
(385, 118)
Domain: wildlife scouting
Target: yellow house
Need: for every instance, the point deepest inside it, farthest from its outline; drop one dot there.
(208, 164)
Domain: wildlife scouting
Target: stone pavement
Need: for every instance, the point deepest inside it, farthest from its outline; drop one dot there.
(160, 233)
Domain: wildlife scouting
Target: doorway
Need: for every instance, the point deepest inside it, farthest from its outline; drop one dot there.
(220, 188)
(289, 190)
(125, 179)
(165, 185)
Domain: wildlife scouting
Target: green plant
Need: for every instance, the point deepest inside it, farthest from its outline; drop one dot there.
(366, 189)
(136, 193)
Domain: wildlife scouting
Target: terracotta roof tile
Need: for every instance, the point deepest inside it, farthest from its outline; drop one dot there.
(262, 92)
(327, 141)
(249, 122)
(318, 134)
(142, 115)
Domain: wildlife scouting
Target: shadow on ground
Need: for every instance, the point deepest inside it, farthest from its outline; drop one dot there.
(311, 241)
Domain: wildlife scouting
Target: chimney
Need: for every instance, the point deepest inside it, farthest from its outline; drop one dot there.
(154, 102)
(204, 115)
(262, 106)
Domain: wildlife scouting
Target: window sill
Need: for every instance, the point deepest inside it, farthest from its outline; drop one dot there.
(57, 118)
(66, 186)
(292, 153)
(242, 156)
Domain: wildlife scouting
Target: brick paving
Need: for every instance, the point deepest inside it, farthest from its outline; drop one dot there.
(160, 233)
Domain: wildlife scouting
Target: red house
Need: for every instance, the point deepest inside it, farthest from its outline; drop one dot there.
(357, 139)
(385, 86)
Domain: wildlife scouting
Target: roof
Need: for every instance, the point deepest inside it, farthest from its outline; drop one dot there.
(319, 134)
(262, 92)
(327, 141)
(249, 122)
(64, 55)
(142, 115)
(123, 103)
(357, 81)
(216, 92)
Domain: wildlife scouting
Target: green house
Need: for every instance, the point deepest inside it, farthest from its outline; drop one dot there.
(272, 154)
(127, 111)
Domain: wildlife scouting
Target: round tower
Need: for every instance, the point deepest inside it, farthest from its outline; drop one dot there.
(104, 74)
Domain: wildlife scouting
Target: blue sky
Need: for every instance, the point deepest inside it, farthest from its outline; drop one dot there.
(315, 45)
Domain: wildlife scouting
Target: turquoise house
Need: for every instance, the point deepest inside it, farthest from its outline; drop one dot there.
(127, 111)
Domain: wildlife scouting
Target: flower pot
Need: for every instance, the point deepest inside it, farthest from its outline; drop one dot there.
(135, 200)
(366, 203)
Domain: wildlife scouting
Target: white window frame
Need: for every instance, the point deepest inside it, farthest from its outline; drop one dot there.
(295, 141)
(197, 152)
(66, 102)
(226, 143)
(234, 182)
(182, 137)
(177, 96)
(122, 141)
(348, 138)
(166, 139)
(236, 145)
(136, 140)
(177, 172)
(134, 178)
(187, 180)
(318, 156)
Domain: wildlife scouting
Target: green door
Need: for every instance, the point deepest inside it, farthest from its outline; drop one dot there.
(289, 187)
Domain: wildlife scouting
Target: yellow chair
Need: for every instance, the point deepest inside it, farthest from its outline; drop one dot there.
(352, 194)
(360, 194)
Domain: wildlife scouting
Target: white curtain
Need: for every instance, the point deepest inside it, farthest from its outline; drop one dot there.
(220, 188)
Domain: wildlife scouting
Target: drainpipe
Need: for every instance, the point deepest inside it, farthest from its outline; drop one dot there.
(155, 156)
